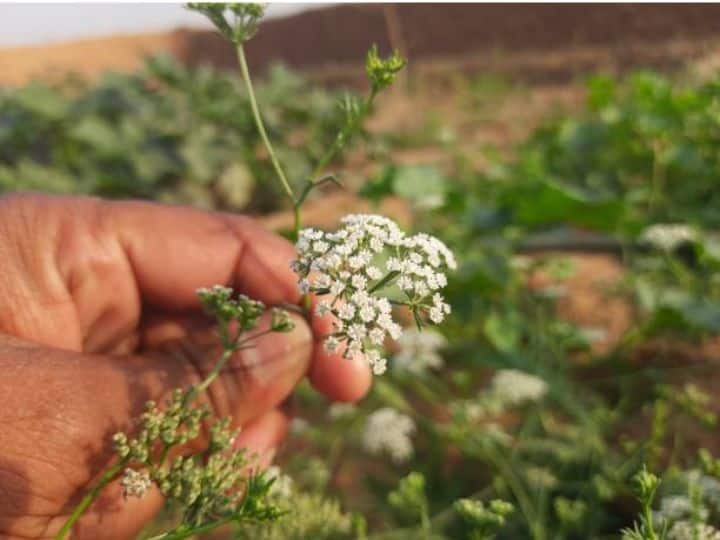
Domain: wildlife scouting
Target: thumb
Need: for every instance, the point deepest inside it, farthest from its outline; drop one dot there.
(254, 380)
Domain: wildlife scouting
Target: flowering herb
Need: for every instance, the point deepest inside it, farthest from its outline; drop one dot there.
(211, 486)
(357, 267)
(364, 268)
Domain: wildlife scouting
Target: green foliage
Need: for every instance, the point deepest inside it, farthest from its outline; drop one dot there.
(168, 133)
(307, 515)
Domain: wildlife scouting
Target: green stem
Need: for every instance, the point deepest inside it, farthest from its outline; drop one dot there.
(384, 281)
(227, 353)
(186, 533)
(344, 135)
(537, 530)
(647, 512)
(260, 125)
(88, 499)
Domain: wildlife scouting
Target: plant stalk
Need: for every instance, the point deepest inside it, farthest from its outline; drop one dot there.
(242, 60)
(88, 499)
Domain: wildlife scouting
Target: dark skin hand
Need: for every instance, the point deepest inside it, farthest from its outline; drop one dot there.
(99, 314)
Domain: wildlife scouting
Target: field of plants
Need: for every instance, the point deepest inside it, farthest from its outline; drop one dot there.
(572, 391)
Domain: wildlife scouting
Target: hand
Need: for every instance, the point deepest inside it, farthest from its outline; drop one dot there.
(99, 314)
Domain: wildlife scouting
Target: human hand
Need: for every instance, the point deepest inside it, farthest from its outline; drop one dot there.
(99, 314)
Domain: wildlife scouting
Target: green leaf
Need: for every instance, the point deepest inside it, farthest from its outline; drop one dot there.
(502, 331)
(98, 134)
(548, 203)
(42, 101)
(423, 185)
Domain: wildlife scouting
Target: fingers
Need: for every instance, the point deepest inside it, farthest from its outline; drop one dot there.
(173, 251)
(255, 379)
(340, 379)
(190, 249)
(261, 437)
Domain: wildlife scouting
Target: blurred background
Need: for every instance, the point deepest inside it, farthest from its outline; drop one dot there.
(570, 154)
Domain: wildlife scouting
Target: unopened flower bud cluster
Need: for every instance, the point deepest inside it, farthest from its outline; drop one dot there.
(364, 268)
(204, 485)
(481, 517)
(177, 424)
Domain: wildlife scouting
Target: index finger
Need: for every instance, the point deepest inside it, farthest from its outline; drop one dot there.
(173, 251)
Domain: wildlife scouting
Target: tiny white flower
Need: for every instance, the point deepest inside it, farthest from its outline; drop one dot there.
(379, 366)
(367, 313)
(346, 312)
(322, 309)
(320, 246)
(359, 281)
(373, 272)
(436, 315)
(135, 483)
(377, 336)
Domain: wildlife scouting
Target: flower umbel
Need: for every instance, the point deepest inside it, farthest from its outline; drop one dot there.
(419, 350)
(513, 387)
(389, 431)
(362, 270)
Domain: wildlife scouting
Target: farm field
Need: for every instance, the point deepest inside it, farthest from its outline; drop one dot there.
(571, 393)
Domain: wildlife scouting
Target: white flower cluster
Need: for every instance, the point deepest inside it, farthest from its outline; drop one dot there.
(419, 350)
(388, 430)
(282, 486)
(687, 530)
(338, 411)
(675, 507)
(135, 483)
(364, 268)
(513, 387)
(668, 236)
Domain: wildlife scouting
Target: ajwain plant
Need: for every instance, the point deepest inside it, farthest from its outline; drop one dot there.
(363, 273)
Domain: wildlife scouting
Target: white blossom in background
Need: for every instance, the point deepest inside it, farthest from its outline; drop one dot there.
(298, 425)
(388, 430)
(513, 387)
(710, 489)
(337, 411)
(361, 270)
(668, 236)
(282, 486)
(135, 483)
(593, 334)
(673, 508)
(687, 530)
(419, 350)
